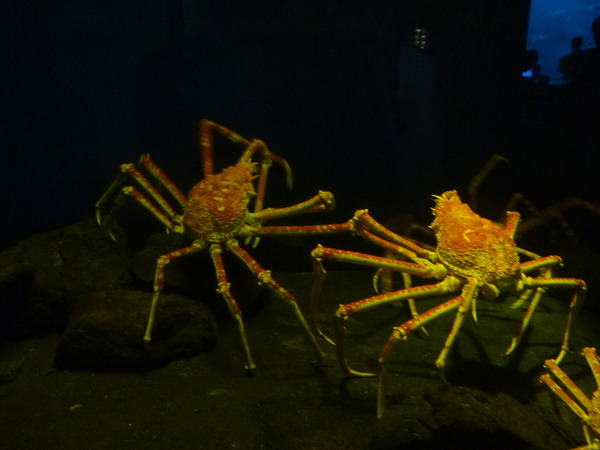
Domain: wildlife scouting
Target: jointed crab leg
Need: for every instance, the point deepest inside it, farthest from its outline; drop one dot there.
(401, 333)
(166, 215)
(592, 359)
(344, 311)
(164, 180)
(264, 278)
(323, 201)
(223, 288)
(159, 281)
(564, 382)
(254, 147)
(377, 233)
(205, 138)
(539, 284)
(586, 409)
(480, 176)
(264, 169)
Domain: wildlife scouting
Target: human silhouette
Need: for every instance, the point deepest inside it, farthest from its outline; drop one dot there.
(531, 63)
(586, 71)
(568, 62)
(584, 94)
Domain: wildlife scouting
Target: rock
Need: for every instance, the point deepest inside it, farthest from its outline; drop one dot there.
(10, 369)
(106, 330)
(479, 417)
(408, 423)
(41, 275)
(461, 417)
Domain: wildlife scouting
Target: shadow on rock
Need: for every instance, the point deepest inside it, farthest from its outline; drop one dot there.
(465, 418)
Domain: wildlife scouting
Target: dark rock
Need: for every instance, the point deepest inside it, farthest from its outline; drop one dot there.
(466, 418)
(477, 415)
(106, 330)
(41, 275)
(10, 369)
(408, 423)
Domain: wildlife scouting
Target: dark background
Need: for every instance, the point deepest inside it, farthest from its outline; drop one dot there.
(336, 87)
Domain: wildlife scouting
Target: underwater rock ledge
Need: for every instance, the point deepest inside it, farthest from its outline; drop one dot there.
(77, 280)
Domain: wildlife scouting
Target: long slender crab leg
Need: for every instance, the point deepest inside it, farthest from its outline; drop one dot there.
(402, 332)
(163, 179)
(323, 201)
(205, 138)
(585, 408)
(223, 289)
(594, 362)
(166, 215)
(130, 191)
(480, 176)
(577, 401)
(540, 284)
(321, 254)
(564, 382)
(469, 293)
(267, 158)
(264, 278)
(159, 281)
(344, 311)
(370, 227)
(555, 212)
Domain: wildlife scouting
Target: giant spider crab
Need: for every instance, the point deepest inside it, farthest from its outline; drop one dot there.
(473, 255)
(585, 408)
(215, 214)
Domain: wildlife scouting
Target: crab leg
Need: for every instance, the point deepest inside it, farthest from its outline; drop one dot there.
(264, 278)
(401, 332)
(592, 359)
(573, 389)
(323, 201)
(320, 254)
(370, 227)
(205, 138)
(159, 281)
(267, 158)
(555, 212)
(540, 283)
(163, 179)
(480, 176)
(565, 389)
(469, 293)
(344, 311)
(223, 286)
(565, 383)
(166, 216)
(282, 230)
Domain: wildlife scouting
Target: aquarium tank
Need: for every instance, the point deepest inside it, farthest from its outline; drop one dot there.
(552, 25)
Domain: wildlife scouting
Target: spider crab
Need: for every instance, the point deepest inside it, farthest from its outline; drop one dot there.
(473, 256)
(215, 214)
(586, 409)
